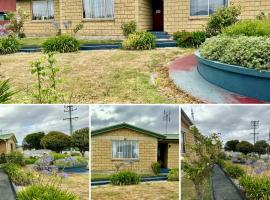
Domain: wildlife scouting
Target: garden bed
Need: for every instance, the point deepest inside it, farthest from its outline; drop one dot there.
(238, 79)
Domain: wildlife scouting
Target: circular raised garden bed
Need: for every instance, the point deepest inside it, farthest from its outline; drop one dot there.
(244, 81)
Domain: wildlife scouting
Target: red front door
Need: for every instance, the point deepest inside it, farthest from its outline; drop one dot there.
(157, 15)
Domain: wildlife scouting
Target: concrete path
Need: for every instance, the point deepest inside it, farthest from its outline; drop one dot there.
(6, 192)
(222, 187)
(183, 71)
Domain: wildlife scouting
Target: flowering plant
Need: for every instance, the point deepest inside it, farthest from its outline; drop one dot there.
(71, 162)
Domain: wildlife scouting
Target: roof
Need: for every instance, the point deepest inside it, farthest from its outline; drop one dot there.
(7, 6)
(134, 128)
(8, 136)
(185, 118)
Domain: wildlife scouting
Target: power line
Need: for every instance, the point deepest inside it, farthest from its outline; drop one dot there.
(70, 109)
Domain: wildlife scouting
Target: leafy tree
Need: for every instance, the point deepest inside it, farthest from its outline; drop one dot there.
(80, 139)
(32, 141)
(231, 145)
(56, 141)
(260, 147)
(244, 147)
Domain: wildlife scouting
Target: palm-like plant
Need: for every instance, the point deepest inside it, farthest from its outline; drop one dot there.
(5, 91)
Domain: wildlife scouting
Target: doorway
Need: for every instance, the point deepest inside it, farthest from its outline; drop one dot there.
(163, 154)
(158, 15)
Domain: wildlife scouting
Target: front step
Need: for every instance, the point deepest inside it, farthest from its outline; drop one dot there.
(166, 43)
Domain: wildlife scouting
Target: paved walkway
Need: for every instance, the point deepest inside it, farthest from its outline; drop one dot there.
(183, 71)
(222, 187)
(6, 192)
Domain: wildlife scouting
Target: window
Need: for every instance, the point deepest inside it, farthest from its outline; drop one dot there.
(43, 9)
(183, 142)
(205, 7)
(98, 9)
(125, 149)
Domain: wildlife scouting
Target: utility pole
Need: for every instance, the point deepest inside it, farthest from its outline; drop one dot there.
(192, 115)
(70, 109)
(167, 118)
(254, 125)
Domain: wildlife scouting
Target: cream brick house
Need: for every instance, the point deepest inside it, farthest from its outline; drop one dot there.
(128, 147)
(7, 143)
(103, 18)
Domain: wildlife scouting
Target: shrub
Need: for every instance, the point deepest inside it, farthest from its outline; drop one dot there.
(249, 28)
(140, 41)
(57, 156)
(5, 91)
(189, 39)
(129, 28)
(3, 158)
(30, 161)
(173, 175)
(250, 52)
(62, 44)
(75, 154)
(125, 178)
(15, 157)
(9, 45)
(71, 162)
(221, 19)
(45, 192)
(256, 187)
(156, 167)
(234, 171)
(17, 175)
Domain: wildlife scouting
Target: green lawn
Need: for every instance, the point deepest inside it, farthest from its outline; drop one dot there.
(39, 40)
(188, 190)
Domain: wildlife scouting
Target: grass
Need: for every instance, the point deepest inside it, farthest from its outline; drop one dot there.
(155, 190)
(40, 40)
(114, 76)
(188, 190)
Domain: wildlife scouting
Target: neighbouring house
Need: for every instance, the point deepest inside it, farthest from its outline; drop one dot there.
(187, 139)
(103, 18)
(134, 148)
(7, 143)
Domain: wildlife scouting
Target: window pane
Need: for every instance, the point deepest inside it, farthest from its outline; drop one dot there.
(125, 149)
(98, 9)
(43, 9)
(216, 4)
(198, 7)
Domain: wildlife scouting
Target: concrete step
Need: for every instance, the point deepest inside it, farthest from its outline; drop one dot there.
(161, 35)
(29, 49)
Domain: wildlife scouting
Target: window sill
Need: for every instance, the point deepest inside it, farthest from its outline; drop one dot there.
(126, 159)
(42, 21)
(198, 17)
(97, 19)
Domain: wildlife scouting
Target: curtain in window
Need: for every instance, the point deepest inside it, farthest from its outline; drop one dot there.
(43, 9)
(125, 149)
(214, 5)
(198, 7)
(98, 9)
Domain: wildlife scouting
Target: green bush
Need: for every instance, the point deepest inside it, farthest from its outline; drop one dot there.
(45, 193)
(156, 167)
(129, 28)
(9, 45)
(173, 175)
(189, 39)
(62, 44)
(57, 156)
(125, 178)
(250, 52)
(3, 158)
(140, 41)
(75, 154)
(15, 157)
(18, 175)
(257, 188)
(249, 28)
(222, 18)
(30, 161)
(234, 171)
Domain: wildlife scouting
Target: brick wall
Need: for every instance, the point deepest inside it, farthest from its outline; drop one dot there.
(101, 147)
(173, 155)
(145, 19)
(177, 14)
(189, 139)
(2, 147)
(5, 147)
(38, 27)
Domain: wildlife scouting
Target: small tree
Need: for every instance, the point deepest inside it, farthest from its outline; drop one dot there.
(56, 141)
(231, 145)
(260, 147)
(33, 141)
(245, 147)
(80, 139)
(207, 151)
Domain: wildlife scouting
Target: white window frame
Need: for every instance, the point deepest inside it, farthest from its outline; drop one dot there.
(99, 18)
(120, 154)
(42, 16)
(208, 9)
